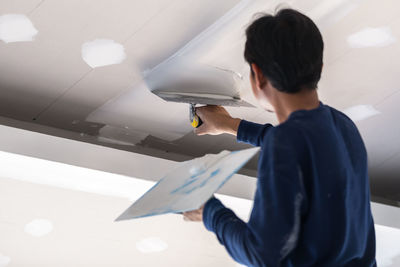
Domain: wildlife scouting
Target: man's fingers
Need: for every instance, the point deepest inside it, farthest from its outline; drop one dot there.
(203, 112)
(194, 215)
(187, 218)
(199, 112)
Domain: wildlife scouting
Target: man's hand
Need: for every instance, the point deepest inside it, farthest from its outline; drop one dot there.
(194, 215)
(216, 120)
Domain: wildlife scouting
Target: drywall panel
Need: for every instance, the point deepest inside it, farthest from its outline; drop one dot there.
(51, 65)
(97, 86)
(34, 76)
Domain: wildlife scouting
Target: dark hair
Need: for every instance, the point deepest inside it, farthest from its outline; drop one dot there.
(288, 49)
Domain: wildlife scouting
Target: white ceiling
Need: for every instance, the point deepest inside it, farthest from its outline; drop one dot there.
(46, 86)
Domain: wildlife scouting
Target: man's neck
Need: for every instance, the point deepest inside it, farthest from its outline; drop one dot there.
(285, 103)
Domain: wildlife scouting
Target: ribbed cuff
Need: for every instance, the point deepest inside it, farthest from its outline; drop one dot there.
(239, 134)
(211, 207)
(246, 129)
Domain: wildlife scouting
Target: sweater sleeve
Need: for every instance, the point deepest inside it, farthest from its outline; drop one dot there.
(272, 231)
(252, 133)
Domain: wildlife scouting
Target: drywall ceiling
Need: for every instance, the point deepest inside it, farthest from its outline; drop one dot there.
(46, 81)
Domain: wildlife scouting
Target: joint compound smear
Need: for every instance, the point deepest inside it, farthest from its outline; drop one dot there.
(16, 28)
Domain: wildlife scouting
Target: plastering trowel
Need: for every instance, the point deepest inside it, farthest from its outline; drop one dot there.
(196, 84)
(202, 99)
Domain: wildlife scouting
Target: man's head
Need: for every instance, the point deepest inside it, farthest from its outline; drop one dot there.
(285, 54)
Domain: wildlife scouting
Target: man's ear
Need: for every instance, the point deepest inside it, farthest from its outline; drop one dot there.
(259, 77)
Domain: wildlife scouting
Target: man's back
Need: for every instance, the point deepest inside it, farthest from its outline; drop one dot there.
(311, 206)
(337, 227)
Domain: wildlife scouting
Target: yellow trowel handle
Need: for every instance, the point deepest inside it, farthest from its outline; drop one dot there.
(196, 122)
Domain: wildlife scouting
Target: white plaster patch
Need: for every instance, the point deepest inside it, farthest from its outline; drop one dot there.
(103, 52)
(361, 112)
(16, 28)
(39, 227)
(372, 37)
(4, 260)
(151, 244)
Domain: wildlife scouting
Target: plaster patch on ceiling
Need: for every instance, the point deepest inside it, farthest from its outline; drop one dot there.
(387, 244)
(103, 52)
(39, 227)
(151, 245)
(360, 112)
(16, 28)
(4, 260)
(372, 37)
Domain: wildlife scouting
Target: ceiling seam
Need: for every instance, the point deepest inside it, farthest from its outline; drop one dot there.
(60, 96)
(147, 21)
(36, 7)
(387, 97)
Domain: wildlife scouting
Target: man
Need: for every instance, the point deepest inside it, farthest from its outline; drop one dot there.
(312, 204)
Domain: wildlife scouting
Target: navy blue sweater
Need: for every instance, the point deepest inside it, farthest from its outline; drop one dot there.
(312, 204)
